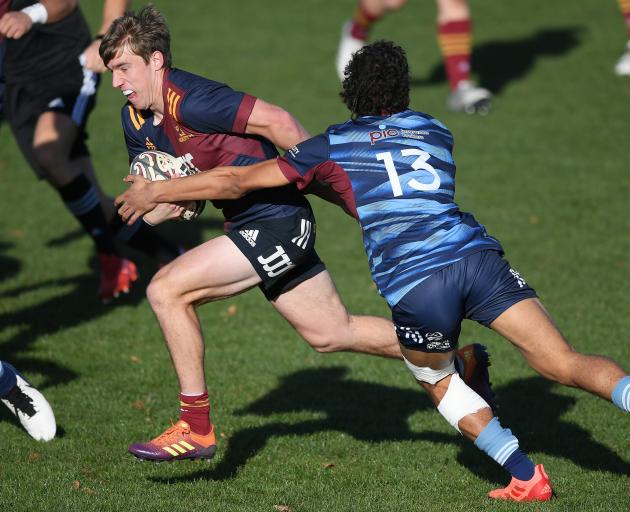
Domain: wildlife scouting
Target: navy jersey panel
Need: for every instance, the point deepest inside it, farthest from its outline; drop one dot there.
(205, 122)
(402, 175)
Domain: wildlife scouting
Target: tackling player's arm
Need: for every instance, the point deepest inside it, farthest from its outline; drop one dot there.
(14, 24)
(276, 124)
(221, 183)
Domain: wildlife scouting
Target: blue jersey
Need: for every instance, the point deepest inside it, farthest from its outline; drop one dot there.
(205, 121)
(396, 175)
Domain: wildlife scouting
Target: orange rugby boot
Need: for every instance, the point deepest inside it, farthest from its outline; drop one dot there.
(176, 443)
(538, 488)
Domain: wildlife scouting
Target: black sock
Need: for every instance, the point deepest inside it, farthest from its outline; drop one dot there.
(83, 201)
(143, 237)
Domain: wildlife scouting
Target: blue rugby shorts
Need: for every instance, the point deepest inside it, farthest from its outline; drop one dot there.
(478, 287)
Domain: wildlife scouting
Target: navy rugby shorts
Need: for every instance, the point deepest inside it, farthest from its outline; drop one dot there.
(478, 287)
(281, 250)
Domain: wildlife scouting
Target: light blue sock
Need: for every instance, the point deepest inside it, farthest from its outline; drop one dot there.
(500, 444)
(621, 394)
(7, 378)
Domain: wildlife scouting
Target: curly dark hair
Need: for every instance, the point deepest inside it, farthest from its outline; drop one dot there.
(377, 80)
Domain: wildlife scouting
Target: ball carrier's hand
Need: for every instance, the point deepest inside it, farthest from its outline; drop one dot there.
(137, 201)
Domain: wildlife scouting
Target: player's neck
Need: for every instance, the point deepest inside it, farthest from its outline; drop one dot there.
(157, 100)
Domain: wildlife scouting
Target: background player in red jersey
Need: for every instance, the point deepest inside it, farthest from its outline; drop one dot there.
(454, 29)
(49, 95)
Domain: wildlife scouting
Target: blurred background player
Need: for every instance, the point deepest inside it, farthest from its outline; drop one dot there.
(270, 235)
(48, 97)
(27, 404)
(435, 265)
(622, 68)
(454, 30)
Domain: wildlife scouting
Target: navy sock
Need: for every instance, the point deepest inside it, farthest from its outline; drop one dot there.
(7, 378)
(84, 202)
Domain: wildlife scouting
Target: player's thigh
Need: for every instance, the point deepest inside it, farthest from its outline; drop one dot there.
(529, 327)
(314, 308)
(428, 318)
(214, 270)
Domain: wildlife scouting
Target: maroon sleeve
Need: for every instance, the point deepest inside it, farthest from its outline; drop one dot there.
(243, 113)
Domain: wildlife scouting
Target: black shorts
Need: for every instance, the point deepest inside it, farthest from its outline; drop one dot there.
(69, 95)
(479, 287)
(282, 251)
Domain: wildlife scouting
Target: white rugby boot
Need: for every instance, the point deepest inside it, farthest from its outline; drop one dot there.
(31, 408)
(470, 98)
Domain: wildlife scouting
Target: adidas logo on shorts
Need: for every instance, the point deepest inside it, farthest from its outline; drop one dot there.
(250, 235)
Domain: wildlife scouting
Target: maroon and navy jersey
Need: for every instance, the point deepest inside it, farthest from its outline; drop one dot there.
(204, 121)
(396, 175)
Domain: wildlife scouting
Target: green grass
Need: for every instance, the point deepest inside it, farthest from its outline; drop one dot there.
(546, 172)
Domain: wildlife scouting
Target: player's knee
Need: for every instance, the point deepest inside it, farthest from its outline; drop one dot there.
(325, 341)
(394, 5)
(160, 291)
(51, 159)
(559, 368)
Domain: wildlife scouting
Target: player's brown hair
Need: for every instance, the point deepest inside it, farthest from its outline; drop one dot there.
(143, 32)
(377, 80)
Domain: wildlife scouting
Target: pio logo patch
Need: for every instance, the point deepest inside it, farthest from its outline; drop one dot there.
(382, 133)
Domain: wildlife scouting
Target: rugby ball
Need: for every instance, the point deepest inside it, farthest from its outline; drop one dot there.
(157, 165)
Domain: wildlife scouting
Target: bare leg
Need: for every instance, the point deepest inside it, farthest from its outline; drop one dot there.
(530, 328)
(452, 10)
(316, 312)
(211, 271)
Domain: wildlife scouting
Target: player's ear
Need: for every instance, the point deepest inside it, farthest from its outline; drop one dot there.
(157, 60)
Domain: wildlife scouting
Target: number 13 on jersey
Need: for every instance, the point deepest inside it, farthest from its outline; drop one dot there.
(419, 164)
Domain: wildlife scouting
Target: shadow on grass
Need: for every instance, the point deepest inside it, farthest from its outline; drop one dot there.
(375, 413)
(497, 63)
(76, 305)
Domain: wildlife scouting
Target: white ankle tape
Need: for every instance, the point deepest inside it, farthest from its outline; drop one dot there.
(459, 401)
(428, 374)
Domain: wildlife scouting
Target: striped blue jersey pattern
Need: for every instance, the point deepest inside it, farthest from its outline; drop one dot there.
(402, 175)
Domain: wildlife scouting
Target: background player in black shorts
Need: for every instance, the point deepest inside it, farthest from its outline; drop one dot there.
(49, 95)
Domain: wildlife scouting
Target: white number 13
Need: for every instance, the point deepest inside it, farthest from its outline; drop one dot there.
(419, 164)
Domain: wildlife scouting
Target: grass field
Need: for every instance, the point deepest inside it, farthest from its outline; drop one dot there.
(546, 172)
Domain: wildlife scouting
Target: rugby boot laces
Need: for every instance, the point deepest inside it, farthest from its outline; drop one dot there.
(472, 362)
(538, 488)
(117, 275)
(31, 409)
(176, 443)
